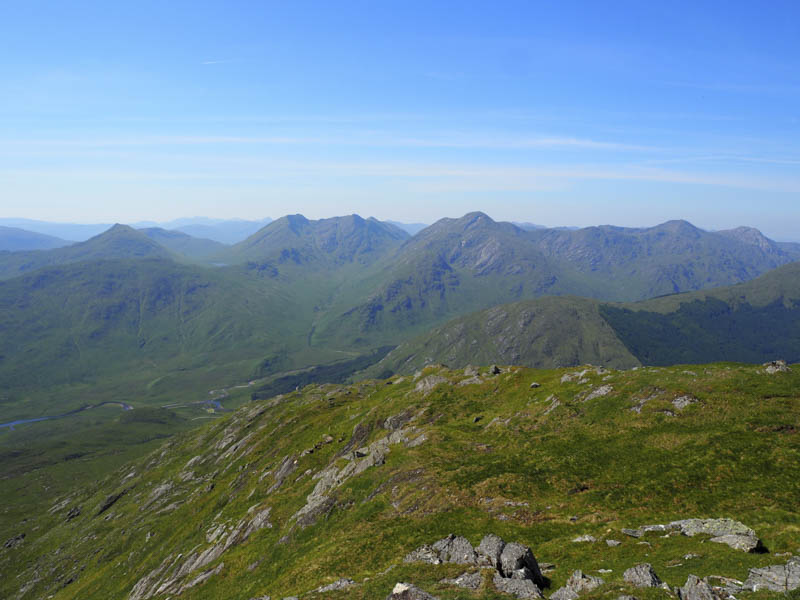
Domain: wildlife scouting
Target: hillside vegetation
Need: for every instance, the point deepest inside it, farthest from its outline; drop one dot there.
(297, 492)
(751, 322)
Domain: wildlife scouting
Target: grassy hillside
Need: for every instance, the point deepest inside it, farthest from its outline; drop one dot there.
(120, 241)
(754, 321)
(229, 511)
(13, 239)
(457, 266)
(546, 332)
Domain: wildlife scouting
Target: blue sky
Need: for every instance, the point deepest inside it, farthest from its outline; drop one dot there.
(560, 113)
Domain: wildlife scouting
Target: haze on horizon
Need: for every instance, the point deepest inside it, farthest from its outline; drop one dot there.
(570, 114)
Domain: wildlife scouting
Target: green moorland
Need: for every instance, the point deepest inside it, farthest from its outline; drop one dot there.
(227, 511)
(752, 322)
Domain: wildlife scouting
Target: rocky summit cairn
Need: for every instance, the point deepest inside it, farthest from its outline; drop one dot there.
(776, 366)
(642, 576)
(516, 571)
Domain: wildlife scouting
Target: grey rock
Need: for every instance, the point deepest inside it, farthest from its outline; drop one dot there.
(564, 593)
(724, 531)
(776, 366)
(642, 576)
(469, 581)
(626, 597)
(776, 578)
(339, 584)
(425, 386)
(14, 541)
(636, 533)
(580, 582)
(696, 589)
(682, 402)
(603, 390)
(745, 543)
(613, 543)
(490, 549)
(523, 589)
(423, 554)
(535, 385)
(517, 562)
(456, 549)
(585, 538)
(408, 591)
(470, 371)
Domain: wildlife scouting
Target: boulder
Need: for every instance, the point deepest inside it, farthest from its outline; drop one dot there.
(612, 543)
(517, 562)
(423, 554)
(723, 531)
(535, 385)
(468, 581)
(490, 549)
(776, 578)
(456, 549)
(776, 366)
(682, 402)
(642, 575)
(636, 533)
(407, 591)
(699, 589)
(523, 589)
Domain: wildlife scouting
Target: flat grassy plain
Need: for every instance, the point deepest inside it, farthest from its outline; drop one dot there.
(499, 456)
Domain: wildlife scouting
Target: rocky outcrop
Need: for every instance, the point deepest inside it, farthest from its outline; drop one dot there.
(577, 584)
(425, 385)
(776, 578)
(723, 531)
(339, 584)
(702, 589)
(516, 570)
(642, 576)
(319, 501)
(468, 581)
(167, 578)
(407, 591)
(776, 366)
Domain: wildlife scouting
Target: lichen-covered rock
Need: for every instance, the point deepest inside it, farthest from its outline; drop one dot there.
(564, 593)
(776, 366)
(423, 554)
(425, 385)
(585, 538)
(642, 575)
(407, 591)
(723, 531)
(776, 578)
(456, 549)
(468, 581)
(517, 562)
(490, 550)
(523, 589)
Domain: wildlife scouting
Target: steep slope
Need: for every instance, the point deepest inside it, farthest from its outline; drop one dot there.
(136, 320)
(183, 243)
(670, 258)
(754, 321)
(546, 332)
(453, 267)
(120, 241)
(339, 485)
(13, 239)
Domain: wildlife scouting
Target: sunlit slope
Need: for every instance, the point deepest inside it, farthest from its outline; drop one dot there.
(331, 482)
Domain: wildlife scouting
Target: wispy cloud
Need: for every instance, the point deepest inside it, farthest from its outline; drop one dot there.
(216, 62)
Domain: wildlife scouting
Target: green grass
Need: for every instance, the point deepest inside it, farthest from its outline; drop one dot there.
(596, 461)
